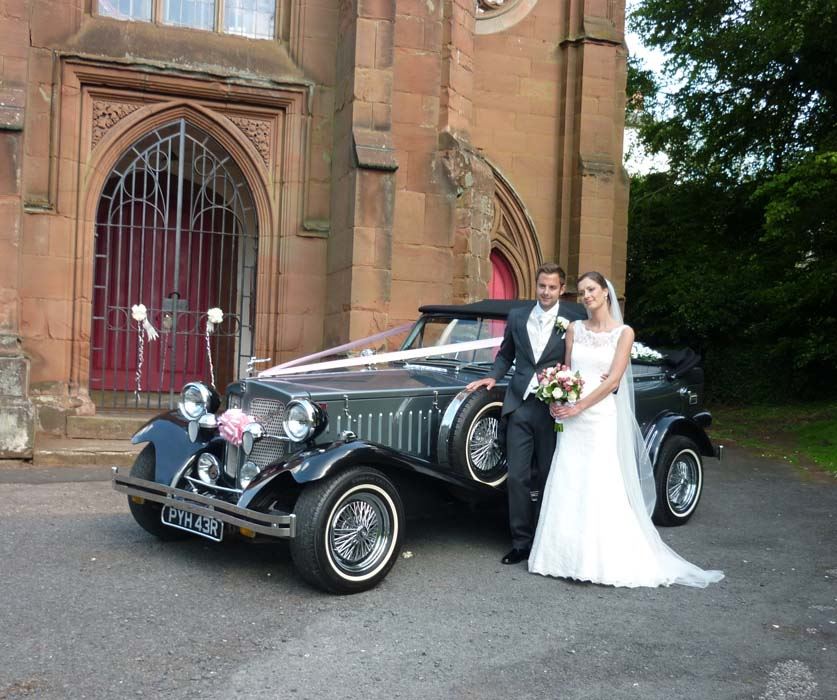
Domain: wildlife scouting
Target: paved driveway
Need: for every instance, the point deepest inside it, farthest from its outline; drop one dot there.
(92, 607)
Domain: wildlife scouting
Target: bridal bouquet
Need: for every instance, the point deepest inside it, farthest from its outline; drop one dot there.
(559, 384)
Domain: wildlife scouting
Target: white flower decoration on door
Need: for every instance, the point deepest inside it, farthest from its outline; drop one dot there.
(214, 318)
(140, 314)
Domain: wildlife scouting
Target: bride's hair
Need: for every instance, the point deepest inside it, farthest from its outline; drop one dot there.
(599, 279)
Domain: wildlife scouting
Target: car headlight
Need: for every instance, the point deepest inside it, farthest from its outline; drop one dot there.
(194, 400)
(208, 468)
(301, 420)
(248, 472)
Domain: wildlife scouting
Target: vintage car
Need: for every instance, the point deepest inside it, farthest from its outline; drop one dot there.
(328, 454)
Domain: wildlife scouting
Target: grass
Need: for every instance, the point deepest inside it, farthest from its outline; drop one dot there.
(804, 433)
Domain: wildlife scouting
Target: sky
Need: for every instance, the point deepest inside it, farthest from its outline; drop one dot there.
(637, 161)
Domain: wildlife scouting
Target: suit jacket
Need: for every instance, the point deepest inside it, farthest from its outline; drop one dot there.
(516, 348)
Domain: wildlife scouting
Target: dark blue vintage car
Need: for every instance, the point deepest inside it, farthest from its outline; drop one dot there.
(328, 457)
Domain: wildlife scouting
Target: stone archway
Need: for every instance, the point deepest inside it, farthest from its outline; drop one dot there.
(514, 237)
(176, 231)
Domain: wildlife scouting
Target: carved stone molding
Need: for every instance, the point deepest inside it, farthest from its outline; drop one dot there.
(257, 132)
(106, 114)
(513, 234)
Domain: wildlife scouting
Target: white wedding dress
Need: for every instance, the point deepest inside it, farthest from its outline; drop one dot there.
(588, 530)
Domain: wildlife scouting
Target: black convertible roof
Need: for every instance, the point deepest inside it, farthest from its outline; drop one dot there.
(487, 308)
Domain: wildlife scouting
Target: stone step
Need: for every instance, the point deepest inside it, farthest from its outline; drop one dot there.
(103, 426)
(81, 452)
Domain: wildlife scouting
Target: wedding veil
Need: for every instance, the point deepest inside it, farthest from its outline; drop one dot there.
(638, 476)
(637, 471)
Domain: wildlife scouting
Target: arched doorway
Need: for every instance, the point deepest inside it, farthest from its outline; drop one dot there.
(515, 248)
(502, 284)
(176, 231)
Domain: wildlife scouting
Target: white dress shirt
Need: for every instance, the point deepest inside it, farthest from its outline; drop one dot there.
(540, 326)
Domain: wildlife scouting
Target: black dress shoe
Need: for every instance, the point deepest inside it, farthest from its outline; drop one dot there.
(515, 556)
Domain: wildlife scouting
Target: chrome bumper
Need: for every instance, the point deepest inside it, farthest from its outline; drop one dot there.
(277, 524)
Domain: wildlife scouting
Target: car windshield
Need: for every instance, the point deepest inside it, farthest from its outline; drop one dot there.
(432, 331)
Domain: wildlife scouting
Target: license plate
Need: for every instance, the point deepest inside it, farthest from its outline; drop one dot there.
(201, 525)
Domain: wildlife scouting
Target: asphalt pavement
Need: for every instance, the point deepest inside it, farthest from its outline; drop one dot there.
(93, 607)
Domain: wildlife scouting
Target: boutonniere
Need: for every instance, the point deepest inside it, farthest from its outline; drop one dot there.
(561, 324)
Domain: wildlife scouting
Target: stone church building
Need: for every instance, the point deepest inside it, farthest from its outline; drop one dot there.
(315, 169)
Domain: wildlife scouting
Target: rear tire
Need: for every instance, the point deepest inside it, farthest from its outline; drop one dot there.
(679, 478)
(349, 530)
(148, 513)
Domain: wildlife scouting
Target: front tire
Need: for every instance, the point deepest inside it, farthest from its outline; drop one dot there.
(679, 478)
(148, 513)
(349, 531)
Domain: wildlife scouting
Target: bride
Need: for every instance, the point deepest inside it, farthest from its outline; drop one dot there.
(595, 522)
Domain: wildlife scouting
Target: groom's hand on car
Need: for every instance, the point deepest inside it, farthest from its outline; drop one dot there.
(487, 382)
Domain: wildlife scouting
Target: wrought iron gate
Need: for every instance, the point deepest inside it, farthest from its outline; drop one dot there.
(176, 232)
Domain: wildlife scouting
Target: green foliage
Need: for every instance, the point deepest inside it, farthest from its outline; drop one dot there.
(734, 251)
(750, 86)
(746, 276)
(797, 432)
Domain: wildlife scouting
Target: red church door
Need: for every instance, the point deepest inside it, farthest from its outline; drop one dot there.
(502, 284)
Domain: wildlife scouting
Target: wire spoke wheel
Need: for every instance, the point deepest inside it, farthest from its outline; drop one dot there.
(682, 483)
(483, 444)
(359, 532)
(679, 475)
(349, 530)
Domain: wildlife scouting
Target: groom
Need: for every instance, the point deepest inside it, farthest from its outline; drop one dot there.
(533, 340)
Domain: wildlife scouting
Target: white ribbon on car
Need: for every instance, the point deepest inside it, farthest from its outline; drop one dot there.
(384, 358)
(343, 348)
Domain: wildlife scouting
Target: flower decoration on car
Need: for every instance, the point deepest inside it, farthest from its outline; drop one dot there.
(231, 424)
(643, 353)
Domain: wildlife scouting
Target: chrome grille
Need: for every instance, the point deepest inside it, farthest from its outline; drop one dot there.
(271, 414)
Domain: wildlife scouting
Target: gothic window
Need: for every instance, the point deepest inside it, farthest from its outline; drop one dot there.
(492, 7)
(499, 15)
(251, 18)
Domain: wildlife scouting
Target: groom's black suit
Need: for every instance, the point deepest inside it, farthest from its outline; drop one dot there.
(530, 437)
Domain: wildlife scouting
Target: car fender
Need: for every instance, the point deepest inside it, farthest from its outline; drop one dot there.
(169, 434)
(667, 424)
(319, 463)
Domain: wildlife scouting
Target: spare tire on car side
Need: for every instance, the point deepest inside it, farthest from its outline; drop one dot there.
(471, 437)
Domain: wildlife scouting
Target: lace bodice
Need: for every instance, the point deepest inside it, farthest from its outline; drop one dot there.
(593, 353)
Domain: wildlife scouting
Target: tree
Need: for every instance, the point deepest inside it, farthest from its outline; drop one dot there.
(751, 86)
(734, 251)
